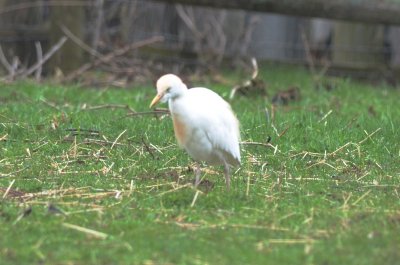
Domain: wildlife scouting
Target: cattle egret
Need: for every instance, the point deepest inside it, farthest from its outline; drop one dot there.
(204, 124)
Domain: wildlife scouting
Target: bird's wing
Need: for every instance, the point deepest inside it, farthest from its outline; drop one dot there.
(219, 124)
(225, 137)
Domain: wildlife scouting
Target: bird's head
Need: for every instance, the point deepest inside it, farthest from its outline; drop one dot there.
(169, 86)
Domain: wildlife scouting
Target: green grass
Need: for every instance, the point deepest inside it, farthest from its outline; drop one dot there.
(328, 193)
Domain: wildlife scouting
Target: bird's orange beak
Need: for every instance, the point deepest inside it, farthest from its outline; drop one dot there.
(155, 100)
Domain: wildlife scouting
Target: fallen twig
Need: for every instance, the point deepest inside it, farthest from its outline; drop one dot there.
(257, 143)
(80, 130)
(361, 197)
(291, 241)
(8, 189)
(92, 232)
(369, 136)
(325, 116)
(116, 139)
(153, 112)
(50, 104)
(283, 132)
(4, 137)
(25, 213)
(13, 173)
(175, 189)
(195, 198)
(262, 144)
(110, 106)
(91, 141)
(148, 148)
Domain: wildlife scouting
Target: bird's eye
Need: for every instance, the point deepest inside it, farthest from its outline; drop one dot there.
(168, 89)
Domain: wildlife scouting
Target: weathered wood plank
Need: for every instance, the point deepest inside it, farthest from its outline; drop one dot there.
(358, 45)
(70, 57)
(374, 11)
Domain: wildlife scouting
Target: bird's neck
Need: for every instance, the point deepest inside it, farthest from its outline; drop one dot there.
(175, 100)
(179, 92)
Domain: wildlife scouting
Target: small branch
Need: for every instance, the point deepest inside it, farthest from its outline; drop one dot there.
(221, 38)
(307, 50)
(116, 139)
(255, 68)
(111, 106)
(91, 232)
(361, 197)
(4, 137)
(5, 62)
(91, 141)
(98, 24)
(13, 173)
(195, 198)
(325, 116)
(46, 57)
(188, 21)
(79, 130)
(259, 144)
(50, 104)
(148, 148)
(8, 189)
(267, 116)
(110, 56)
(154, 112)
(369, 136)
(283, 132)
(15, 64)
(339, 149)
(248, 34)
(254, 85)
(310, 59)
(175, 189)
(39, 54)
(79, 42)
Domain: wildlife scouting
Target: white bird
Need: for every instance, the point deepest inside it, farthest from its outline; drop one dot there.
(204, 124)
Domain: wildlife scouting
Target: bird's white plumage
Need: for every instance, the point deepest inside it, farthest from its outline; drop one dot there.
(212, 128)
(204, 123)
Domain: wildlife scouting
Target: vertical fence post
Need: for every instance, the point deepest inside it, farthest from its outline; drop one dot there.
(358, 45)
(70, 56)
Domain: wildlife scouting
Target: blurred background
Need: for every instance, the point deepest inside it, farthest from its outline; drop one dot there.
(137, 40)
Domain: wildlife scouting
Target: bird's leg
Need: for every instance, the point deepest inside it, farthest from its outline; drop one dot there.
(197, 173)
(227, 176)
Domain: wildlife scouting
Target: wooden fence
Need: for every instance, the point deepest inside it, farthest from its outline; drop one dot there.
(201, 34)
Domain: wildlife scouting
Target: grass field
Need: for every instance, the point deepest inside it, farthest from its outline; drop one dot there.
(83, 183)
